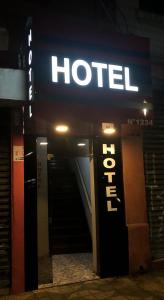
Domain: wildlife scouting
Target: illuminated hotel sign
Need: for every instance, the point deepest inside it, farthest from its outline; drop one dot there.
(30, 79)
(118, 76)
(110, 206)
(109, 164)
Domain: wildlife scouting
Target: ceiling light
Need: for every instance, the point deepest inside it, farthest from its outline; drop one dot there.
(108, 128)
(145, 108)
(62, 128)
(43, 143)
(81, 144)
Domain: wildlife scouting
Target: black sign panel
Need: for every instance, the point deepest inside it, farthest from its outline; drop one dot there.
(86, 83)
(105, 69)
(112, 230)
(67, 65)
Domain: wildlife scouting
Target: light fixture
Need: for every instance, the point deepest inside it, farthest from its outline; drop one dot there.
(108, 128)
(29, 153)
(43, 143)
(81, 144)
(62, 128)
(145, 107)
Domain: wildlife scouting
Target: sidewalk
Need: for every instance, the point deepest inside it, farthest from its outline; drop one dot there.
(148, 286)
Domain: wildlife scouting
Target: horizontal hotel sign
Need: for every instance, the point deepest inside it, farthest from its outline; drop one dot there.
(100, 69)
(88, 76)
(80, 72)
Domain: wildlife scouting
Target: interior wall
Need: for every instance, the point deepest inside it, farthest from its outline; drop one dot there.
(84, 167)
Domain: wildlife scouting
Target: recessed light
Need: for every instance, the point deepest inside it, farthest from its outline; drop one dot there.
(81, 144)
(109, 130)
(43, 143)
(62, 128)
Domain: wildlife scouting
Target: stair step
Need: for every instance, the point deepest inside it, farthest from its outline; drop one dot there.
(66, 219)
(69, 231)
(68, 191)
(59, 235)
(59, 177)
(66, 213)
(73, 206)
(63, 222)
(71, 236)
(58, 197)
(62, 249)
(71, 239)
(69, 226)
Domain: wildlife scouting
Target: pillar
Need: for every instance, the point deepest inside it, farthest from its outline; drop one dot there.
(135, 198)
(17, 204)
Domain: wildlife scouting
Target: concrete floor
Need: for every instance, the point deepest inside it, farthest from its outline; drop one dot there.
(71, 268)
(148, 286)
(65, 268)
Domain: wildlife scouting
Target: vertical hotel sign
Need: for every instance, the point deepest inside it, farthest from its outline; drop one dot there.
(109, 164)
(109, 177)
(110, 207)
(30, 71)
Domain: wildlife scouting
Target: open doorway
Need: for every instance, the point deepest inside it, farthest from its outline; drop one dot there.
(67, 175)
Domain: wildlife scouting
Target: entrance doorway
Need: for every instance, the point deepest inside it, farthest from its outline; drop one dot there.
(68, 187)
(65, 250)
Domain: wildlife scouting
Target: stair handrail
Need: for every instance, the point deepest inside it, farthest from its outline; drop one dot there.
(84, 193)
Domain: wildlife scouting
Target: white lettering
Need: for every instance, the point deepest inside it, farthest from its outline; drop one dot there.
(111, 191)
(30, 92)
(30, 111)
(30, 38)
(30, 75)
(30, 58)
(107, 149)
(109, 206)
(129, 87)
(99, 67)
(118, 76)
(113, 76)
(78, 63)
(57, 69)
(107, 161)
(109, 174)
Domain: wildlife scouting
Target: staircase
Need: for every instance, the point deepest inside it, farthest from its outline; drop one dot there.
(69, 231)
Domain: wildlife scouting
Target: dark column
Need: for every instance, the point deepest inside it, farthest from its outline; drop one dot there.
(112, 230)
(31, 259)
